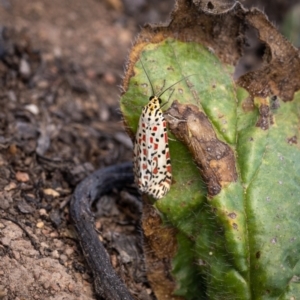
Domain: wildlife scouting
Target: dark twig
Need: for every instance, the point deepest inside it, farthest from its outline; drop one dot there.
(107, 284)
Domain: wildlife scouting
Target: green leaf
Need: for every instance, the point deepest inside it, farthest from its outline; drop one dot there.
(242, 243)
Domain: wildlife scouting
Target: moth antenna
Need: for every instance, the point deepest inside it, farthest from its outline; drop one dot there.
(174, 84)
(162, 105)
(153, 93)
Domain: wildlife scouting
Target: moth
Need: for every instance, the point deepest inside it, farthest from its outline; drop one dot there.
(151, 159)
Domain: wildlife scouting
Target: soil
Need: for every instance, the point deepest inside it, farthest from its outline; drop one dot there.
(61, 63)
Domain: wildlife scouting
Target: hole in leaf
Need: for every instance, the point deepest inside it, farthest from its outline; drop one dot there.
(210, 6)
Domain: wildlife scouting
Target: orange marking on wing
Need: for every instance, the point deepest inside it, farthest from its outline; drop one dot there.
(166, 138)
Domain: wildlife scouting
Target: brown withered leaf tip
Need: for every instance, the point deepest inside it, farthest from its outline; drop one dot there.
(160, 246)
(214, 158)
(221, 27)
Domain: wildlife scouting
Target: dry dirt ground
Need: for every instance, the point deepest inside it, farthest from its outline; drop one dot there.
(61, 62)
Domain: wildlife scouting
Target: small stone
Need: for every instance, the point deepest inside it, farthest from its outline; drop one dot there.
(5, 241)
(17, 255)
(45, 231)
(40, 224)
(5, 200)
(13, 149)
(98, 225)
(71, 287)
(54, 234)
(109, 78)
(55, 287)
(22, 176)
(32, 108)
(36, 274)
(113, 260)
(55, 254)
(69, 251)
(58, 243)
(57, 52)
(51, 192)
(63, 258)
(24, 68)
(11, 186)
(43, 212)
(85, 276)
(44, 245)
(43, 84)
(46, 285)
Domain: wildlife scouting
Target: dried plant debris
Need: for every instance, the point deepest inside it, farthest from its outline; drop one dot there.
(214, 158)
(223, 29)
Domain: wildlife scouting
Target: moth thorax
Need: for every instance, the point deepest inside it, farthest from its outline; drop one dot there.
(154, 99)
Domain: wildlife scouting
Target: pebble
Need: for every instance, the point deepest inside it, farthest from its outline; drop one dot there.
(43, 212)
(43, 84)
(51, 192)
(71, 287)
(58, 243)
(57, 52)
(11, 186)
(5, 200)
(36, 274)
(5, 241)
(17, 255)
(44, 245)
(63, 258)
(24, 68)
(40, 224)
(113, 260)
(32, 108)
(53, 234)
(22, 176)
(55, 254)
(109, 78)
(69, 251)
(98, 225)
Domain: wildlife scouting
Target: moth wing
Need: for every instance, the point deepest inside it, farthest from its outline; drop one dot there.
(161, 169)
(141, 154)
